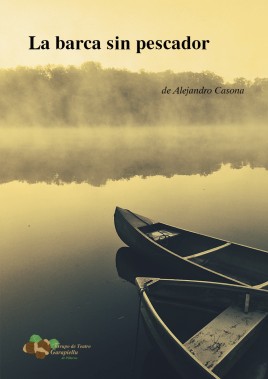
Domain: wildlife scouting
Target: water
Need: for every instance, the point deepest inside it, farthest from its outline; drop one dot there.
(64, 273)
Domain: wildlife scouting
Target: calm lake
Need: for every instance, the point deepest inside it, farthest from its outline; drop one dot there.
(65, 274)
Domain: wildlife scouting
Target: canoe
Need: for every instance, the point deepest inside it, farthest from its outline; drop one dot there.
(203, 328)
(191, 255)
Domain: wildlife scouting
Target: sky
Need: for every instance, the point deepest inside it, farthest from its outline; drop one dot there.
(237, 32)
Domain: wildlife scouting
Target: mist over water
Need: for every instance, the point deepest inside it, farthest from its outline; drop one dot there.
(96, 155)
(89, 95)
(65, 274)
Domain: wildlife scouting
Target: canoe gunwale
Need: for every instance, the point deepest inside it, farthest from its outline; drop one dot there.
(174, 338)
(141, 282)
(157, 246)
(209, 251)
(213, 237)
(193, 263)
(262, 286)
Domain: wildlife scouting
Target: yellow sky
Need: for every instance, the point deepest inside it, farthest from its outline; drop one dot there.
(237, 31)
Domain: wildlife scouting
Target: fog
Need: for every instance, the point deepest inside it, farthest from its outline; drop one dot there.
(96, 155)
(90, 95)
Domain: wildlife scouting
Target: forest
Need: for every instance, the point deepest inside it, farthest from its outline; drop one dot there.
(90, 95)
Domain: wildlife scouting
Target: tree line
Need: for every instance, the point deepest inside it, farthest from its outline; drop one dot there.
(90, 95)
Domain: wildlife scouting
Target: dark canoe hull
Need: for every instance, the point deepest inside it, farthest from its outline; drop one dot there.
(179, 359)
(130, 226)
(127, 229)
(178, 356)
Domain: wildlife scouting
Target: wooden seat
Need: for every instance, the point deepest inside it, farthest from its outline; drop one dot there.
(224, 335)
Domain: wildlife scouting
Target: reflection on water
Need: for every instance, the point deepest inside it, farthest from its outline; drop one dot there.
(58, 244)
(99, 154)
(130, 265)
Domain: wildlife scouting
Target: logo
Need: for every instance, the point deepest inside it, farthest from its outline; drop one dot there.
(44, 347)
(40, 347)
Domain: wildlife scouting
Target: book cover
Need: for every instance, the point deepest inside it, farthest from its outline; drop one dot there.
(156, 107)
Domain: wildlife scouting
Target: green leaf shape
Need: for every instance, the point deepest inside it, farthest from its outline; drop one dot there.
(35, 338)
(54, 343)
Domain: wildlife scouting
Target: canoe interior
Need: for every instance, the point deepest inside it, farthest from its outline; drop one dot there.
(208, 298)
(245, 264)
(182, 242)
(181, 318)
(210, 320)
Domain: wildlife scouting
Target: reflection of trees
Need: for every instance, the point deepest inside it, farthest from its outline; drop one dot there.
(91, 95)
(95, 156)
